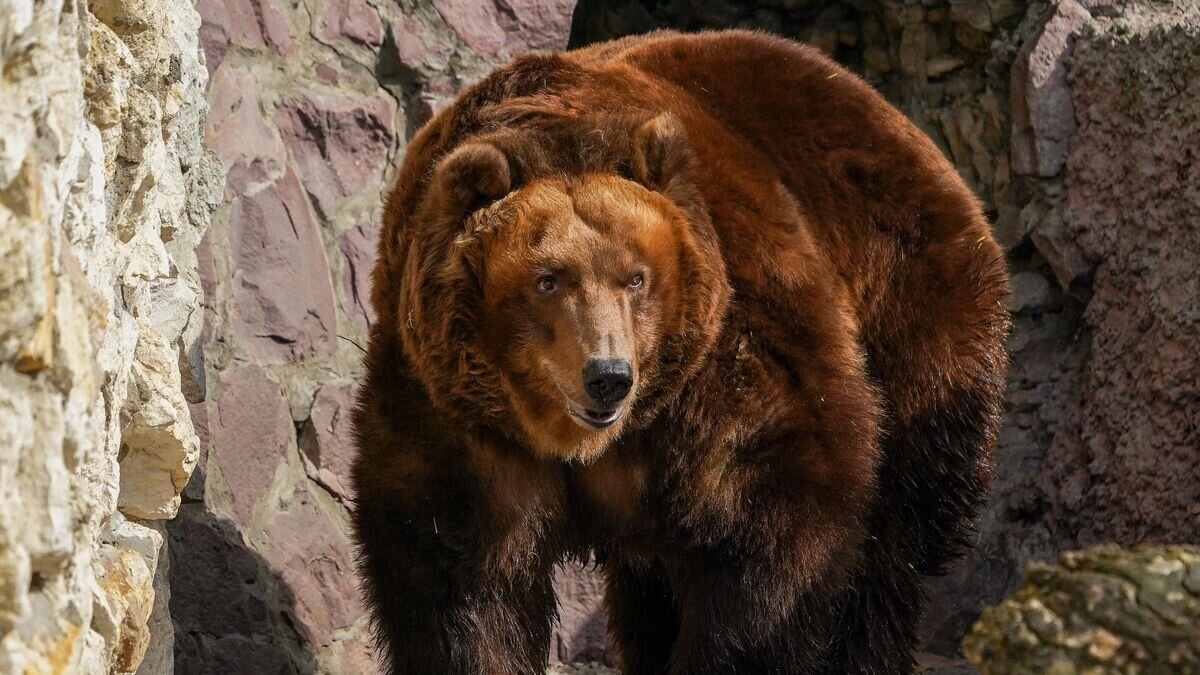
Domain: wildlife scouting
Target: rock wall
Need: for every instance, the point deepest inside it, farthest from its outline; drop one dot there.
(1126, 467)
(105, 191)
(1075, 121)
(1106, 131)
(1101, 442)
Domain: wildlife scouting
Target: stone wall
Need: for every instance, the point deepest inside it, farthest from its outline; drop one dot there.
(1126, 467)
(1101, 442)
(105, 191)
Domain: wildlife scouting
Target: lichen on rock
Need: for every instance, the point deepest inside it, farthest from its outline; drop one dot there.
(1102, 610)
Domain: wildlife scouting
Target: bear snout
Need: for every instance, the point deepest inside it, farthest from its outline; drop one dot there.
(607, 381)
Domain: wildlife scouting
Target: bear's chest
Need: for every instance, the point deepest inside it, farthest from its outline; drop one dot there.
(636, 493)
(618, 502)
(612, 491)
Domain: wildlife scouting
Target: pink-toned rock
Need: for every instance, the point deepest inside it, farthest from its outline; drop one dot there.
(358, 247)
(208, 284)
(415, 48)
(581, 633)
(358, 656)
(1043, 115)
(245, 29)
(312, 558)
(249, 436)
(476, 23)
(327, 438)
(199, 413)
(276, 31)
(432, 98)
(252, 24)
(282, 300)
(1124, 465)
(354, 20)
(505, 27)
(214, 33)
(237, 131)
(340, 143)
(327, 73)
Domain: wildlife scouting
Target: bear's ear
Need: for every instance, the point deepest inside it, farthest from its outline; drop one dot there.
(661, 155)
(471, 177)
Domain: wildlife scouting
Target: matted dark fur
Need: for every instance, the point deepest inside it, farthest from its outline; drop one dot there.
(821, 369)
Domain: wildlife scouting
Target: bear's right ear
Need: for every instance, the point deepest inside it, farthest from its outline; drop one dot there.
(471, 177)
(661, 156)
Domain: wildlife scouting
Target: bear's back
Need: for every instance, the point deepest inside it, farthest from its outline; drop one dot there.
(763, 109)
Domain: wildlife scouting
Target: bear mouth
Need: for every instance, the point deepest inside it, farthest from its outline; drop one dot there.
(590, 418)
(596, 419)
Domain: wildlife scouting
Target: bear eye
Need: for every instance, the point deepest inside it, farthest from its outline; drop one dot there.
(636, 281)
(545, 284)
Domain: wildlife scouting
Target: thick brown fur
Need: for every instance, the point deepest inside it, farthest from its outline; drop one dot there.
(818, 350)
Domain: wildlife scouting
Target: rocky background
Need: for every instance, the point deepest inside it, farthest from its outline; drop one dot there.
(120, 328)
(105, 191)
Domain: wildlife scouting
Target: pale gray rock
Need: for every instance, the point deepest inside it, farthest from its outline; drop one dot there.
(99, 210)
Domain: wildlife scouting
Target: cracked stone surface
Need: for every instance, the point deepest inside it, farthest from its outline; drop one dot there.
(105, 191)
(134, 345)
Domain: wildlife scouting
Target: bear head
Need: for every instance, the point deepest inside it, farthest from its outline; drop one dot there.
(561, 290)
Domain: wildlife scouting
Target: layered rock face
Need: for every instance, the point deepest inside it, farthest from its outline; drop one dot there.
(105, 192)
(1126, 467)
(1118, 225)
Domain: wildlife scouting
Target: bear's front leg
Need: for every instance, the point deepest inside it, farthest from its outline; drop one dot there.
(643, 617)
(456, 554)
(773, 526)
(748, 619)
(442, 602)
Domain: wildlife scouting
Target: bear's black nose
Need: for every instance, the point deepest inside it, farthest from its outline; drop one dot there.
(607, 380)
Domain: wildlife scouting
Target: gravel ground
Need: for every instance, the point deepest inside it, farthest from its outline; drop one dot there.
(580, 669)
(926, 665)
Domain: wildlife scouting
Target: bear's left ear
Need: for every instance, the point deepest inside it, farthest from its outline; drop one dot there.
(661, 155)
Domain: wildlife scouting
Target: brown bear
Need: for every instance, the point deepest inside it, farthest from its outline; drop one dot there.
(704, 307)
